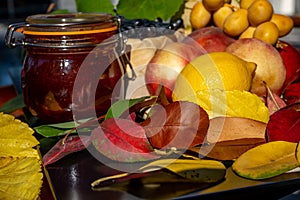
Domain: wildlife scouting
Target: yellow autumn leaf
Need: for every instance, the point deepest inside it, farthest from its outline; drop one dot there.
(17, 143)
(21, 128)
(198, 170)
(16, 137)
(233, 103)
(266, 160)
(7, 119)
(20, 164)
(18, 152)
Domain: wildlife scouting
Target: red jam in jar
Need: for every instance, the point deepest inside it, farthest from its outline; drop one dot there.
(57, 47)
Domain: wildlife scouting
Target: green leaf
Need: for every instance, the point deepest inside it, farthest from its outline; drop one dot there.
(59, 129)
(64, 125)
(94, 6)
(149, 9)
(48, 131)
(13, 104)
(119, 107)
(132, 9)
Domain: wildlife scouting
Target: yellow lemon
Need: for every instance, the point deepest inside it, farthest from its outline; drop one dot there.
(217, 70)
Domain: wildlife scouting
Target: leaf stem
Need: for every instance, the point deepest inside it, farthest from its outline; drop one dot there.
(81, 125)
(270, 93)
(107, 178)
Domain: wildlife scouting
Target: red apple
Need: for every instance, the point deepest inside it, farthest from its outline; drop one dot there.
(291, 59)
(211, 38)
(166, 64)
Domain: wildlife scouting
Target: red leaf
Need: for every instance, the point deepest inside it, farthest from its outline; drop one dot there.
(122, 140)
(180, 124)
(291, 59)
(71, 144)
(284, 125)
(292, 93)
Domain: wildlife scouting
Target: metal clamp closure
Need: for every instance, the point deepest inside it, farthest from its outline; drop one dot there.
(124, 56)
(10, 40)
(124, 60)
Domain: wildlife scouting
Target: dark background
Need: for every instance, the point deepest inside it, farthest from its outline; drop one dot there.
(13, 11)
(19, 9)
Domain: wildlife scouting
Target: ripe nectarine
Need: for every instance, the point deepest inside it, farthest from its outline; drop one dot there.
(166, 64)
(211, 38)
(270, 67)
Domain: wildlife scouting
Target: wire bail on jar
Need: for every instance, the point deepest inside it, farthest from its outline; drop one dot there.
(55, 27)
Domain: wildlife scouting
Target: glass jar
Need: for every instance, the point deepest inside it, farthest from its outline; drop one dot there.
(57, 46)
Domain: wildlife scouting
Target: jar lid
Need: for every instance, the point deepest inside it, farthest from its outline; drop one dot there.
(70, 24)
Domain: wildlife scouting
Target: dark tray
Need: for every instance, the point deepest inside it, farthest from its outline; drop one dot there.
(70, 178)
